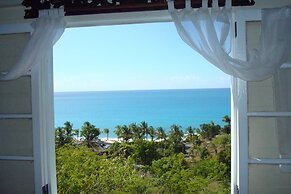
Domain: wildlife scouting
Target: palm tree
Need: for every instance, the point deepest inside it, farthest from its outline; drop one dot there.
(210, 130)
(176, 137)
(144, 128)
(190, 133)
(176, 134)
(227, 128)
(160, 133)
(106, 131)
(122, 131)
(118, 131)
(68, 127)
(152, 132)
(137, 132)
(89, 133)
(226, 119)
(65, 135)
(60, 137)
(127, 134)
(77, 133)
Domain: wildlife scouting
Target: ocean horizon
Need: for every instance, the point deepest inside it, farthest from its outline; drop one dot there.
(159, 108)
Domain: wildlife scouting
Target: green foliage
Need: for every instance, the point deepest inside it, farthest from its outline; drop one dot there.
(90, 133)
(106, 131)
(79, 170)
(226, 119)
(190, 134)
(144, 128)
(118, 131)
(137, 132)
(203, 153)
(211, 169)
(76, 170)
(144, 152)
(197, 141)
(124, 132)
(161, 134)
(65, 135)
(120, 149)
(227, 128)
(172, 173)
(142, 166)
(174, 163)
(176, 137)
(152, 132)
(209, 131)
(177, 176)
(222, 140)
(176, 134)
(225, 157)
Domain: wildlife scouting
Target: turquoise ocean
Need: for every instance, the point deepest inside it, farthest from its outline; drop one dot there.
(159, 108)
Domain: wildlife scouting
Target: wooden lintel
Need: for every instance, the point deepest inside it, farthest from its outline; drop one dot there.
(85, 7)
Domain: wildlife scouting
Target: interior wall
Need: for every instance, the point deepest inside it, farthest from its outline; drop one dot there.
(16, 139)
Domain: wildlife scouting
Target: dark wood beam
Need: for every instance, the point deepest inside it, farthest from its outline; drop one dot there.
(85, 7)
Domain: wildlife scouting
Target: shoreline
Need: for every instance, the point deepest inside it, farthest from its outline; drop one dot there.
(110, 140)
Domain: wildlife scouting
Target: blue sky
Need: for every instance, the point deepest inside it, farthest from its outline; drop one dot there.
(130, 57)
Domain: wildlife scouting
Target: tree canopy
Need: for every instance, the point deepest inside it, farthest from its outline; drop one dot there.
(89, 133)
(174, 164)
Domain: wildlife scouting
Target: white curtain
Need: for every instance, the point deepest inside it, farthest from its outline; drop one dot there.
(208, 31)
(47, 29)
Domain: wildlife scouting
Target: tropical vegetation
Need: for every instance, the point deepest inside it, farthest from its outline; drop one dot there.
(145, 160)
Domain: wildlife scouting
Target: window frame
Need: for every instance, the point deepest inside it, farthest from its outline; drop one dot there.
(42, 97)
(240, 129)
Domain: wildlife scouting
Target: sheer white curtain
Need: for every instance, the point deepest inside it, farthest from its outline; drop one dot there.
(47, 29)
(208, 31)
